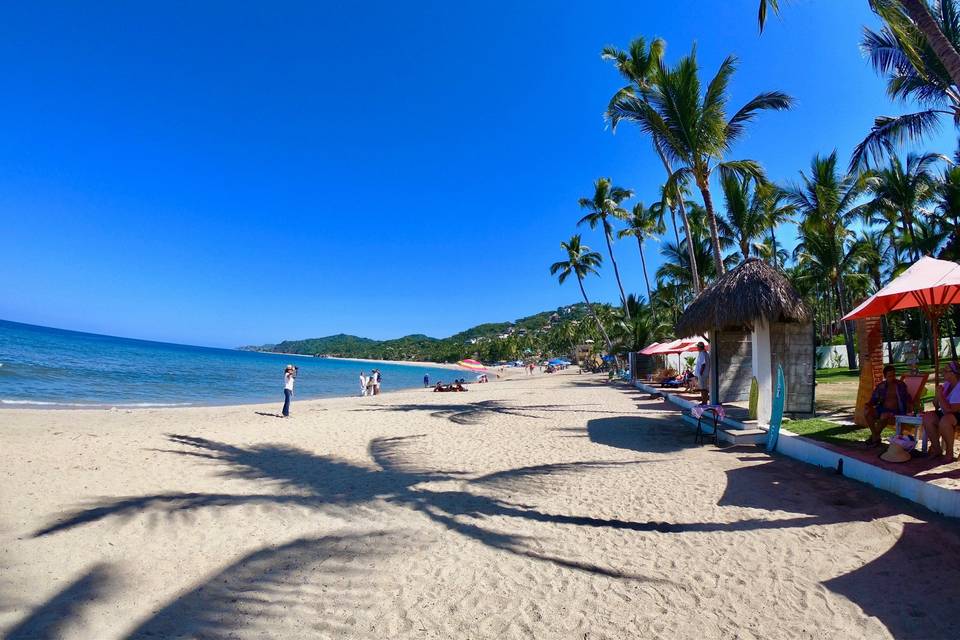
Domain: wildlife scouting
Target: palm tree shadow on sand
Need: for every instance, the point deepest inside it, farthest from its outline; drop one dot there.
(473, 413)
(327, 484)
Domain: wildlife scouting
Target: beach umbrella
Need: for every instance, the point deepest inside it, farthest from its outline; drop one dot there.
(930, 285)
(647, 349)
(472, 365)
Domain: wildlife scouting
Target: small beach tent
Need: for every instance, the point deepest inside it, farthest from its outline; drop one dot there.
(755, 320)
(930, 285)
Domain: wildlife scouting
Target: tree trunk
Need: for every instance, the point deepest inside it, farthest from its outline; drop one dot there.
(595, 316)
(691, 254)
(948, 55)
(773, 243)
(847, 334)
(695, 273)
(616, 271)
(673, 222)
(714, 231)
(745, 248)
(646, 280)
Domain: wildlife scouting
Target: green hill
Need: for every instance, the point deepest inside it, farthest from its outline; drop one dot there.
(422, 347)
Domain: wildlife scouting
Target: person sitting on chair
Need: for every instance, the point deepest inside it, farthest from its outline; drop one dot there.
(890, 399)
(941, 425)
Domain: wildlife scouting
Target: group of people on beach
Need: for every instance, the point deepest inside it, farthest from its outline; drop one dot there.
(370, 385)
(891, 398)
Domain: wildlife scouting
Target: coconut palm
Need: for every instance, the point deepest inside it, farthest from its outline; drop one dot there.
(915, 73)
(773, 204)
(828, 203)
(900, 192)
(639, 65)
(914, 23)
(581, 262)
(694, 129)
(602, 209)
(642, 329)
(744, 222)
(643, 223)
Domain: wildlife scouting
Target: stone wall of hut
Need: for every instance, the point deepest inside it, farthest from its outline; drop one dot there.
(791, 345)
(736, 364)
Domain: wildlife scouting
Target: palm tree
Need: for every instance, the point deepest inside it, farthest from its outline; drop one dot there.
(693, 126)
(899, 192)
(581, 262)
(771, 200)
(827, 203)
(915, 73)
(639, 65)
(912, 21)
(947, 200)
(602, 208)
(744, 223)
(643, 223)
(830, 256)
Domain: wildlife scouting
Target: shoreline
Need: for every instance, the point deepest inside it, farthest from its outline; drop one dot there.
(34, 406)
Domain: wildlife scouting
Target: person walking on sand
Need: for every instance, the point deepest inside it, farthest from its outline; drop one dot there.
(289, 376)
(363, 384)
(426, 380)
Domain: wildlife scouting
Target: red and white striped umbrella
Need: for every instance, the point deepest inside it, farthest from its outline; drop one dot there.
(472, 365)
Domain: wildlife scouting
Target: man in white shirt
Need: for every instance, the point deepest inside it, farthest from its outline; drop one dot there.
(363, 384)
(702, 371)
(289, 376)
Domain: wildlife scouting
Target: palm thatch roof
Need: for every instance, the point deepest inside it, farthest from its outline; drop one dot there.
(752, 290)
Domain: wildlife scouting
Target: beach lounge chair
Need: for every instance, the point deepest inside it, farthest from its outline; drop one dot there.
(916, 385)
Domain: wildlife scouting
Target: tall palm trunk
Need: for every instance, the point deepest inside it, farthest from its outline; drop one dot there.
(714, 231)
(673, 222)
(745, 248)
(646, 280)
(948, 56)
(773, 243)
(595, 316)
(694, 272)
(847, 333)
(616, 271)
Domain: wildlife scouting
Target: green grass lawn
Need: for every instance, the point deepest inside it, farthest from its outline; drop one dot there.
(843, 374)
(826, 431)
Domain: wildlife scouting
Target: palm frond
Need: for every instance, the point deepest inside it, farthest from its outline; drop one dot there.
(890, 131)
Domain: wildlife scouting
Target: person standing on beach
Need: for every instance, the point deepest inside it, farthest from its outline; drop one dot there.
(376, 382)
(426, 380)
(289, 376)
(363, 384)
(701, 370)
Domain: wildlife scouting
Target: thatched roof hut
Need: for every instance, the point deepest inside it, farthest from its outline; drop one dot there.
(752, 290)
(756, 322)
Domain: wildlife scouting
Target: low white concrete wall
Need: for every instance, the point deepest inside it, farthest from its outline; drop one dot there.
(934, 497)
(834, 357)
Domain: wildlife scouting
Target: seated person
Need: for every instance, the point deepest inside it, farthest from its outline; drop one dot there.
(890, 399)
(438, 388)
(459, 387)
(941, 425)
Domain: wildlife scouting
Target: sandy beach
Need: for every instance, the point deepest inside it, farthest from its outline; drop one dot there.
(551, 506)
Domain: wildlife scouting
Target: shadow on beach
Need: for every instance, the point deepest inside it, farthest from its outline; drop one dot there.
(473, 413)
(785, 494)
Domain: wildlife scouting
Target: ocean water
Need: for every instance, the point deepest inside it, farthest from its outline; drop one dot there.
(40, 366)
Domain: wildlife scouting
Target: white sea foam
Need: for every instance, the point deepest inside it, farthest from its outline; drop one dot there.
(92, 405)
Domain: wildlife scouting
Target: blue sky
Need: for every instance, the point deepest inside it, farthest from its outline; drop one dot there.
(236, 173)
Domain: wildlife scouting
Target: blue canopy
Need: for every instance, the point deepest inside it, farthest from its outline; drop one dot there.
(557, 361)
